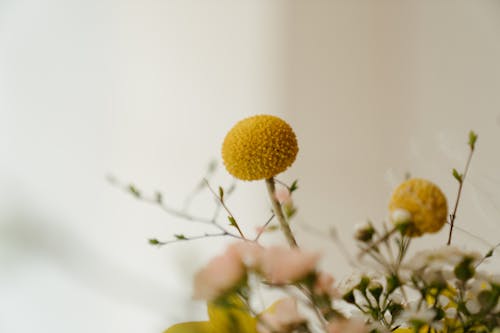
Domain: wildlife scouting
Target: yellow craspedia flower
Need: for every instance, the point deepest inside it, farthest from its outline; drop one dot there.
(423, 203)
(259, 147)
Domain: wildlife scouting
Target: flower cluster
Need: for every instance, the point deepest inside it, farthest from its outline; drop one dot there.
(436, 290)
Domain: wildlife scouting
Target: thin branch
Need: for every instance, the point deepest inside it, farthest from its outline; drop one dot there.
(223, 204)
(219, 206)
(377, 242)
(282, 184)
(183, 238)
(285, 227)
(461, 180)
(158, 201)
(263, 228)
(309, 296)
(488, 254)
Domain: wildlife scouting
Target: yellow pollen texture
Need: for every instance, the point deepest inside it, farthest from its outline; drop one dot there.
(259, 147)
(424, 201)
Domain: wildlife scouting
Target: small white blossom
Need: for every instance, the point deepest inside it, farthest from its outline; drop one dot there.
(473, 306)
(415, 313)
(441, 257)
(400, 216)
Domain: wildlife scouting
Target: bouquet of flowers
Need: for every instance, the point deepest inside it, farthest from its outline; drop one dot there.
(438, 290)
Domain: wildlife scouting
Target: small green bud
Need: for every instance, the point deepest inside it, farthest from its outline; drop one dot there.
(134, 191)
(363, 284)
(232, 221)
(392, 283)
(365, 233)
(221, 193)
(440, 313)
(376, 290)
(489, 253)
(458, 176)
(153, 241)
(395, 309)
(349, 297)
(404, 227)
(289, 210)
(472, 140)
(464, 270)
(180, 237)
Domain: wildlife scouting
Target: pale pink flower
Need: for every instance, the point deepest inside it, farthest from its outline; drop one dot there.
(284, 196)
(347, 326)
(324, 285)
(260, 229)
(281, 265)
(248, 252)
(281, 318)
(221, 274)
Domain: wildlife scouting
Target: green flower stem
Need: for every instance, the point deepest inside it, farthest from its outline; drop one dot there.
(278, 212)
(460, 185)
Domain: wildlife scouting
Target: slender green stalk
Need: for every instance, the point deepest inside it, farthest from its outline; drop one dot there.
(278, 212)
(460, 185)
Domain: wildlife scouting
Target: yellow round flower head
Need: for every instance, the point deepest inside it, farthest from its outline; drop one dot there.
(259, 147)
(420, 202)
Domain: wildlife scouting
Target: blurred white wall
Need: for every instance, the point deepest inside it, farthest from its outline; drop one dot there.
(146, 90)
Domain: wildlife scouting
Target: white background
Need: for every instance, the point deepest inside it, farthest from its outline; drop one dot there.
(146, 90)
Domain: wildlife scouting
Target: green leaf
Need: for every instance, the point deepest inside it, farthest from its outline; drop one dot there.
(180, 237)
(134, 191)
(232, 221)
(464, 270)
(472, 140)
(376, 290)
(457, 175)
(392, 282)
(154, 241)
(231, 316)
(191, 327)
(271, 228)
(349, 297)
(221, 193)
(289, 211)
(294, 187)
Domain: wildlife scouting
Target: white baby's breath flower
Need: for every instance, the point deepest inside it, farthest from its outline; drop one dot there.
(396, 297)
(360, 299)
(400, 216)
(451, 312)
(350, 282)
(473, 306)
(488, 277)
(443, 300)
(448, 273)
(415, 313)
(447, 255)
(432, 276)
(378, 327)
(475, 286)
